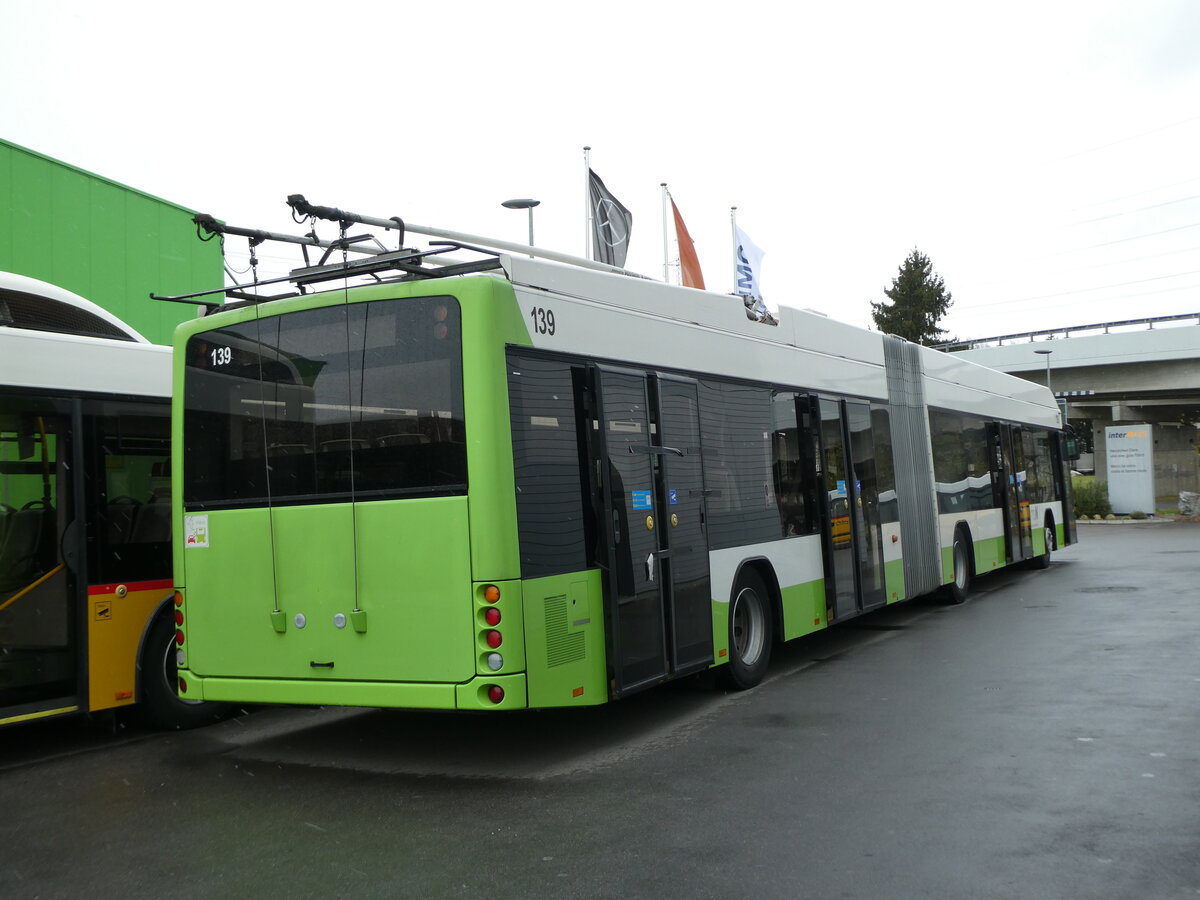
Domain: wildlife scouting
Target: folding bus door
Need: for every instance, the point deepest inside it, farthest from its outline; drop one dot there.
(840, 583)
(681, 498)
(659, 615)
(41, 585)
(1008, 471)
(853, 535)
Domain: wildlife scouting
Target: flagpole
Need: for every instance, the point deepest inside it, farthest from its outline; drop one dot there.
(666, 195)
(587, 202)
(733, 226)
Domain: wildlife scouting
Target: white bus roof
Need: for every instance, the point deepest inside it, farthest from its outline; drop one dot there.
(684, 328)
(72, 363)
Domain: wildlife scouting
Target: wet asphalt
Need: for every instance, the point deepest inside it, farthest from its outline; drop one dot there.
(1041, 740)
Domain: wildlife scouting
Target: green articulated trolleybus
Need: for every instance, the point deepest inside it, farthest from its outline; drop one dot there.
(508, 478)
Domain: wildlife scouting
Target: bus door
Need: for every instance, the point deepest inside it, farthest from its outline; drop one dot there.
(659, 612)
(853, 536)
(39, 551)
(1008, 476)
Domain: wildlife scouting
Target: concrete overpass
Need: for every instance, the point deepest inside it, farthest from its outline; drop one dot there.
(1134, 371)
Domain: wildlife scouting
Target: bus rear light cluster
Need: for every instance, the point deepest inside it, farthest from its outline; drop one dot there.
(490, 635)
(180, 653)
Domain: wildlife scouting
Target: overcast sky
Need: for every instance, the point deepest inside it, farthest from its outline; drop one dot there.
(1043, 154)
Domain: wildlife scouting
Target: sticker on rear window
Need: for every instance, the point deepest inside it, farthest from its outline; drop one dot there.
(195, 531)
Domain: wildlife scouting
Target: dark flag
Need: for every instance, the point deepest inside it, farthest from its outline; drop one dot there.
(611, 224)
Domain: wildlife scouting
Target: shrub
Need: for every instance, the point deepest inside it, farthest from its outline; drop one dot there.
(1091, 497)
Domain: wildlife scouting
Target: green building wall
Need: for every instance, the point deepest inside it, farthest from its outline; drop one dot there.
(107, 242)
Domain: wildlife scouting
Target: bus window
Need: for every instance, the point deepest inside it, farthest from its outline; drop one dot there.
(131, 494)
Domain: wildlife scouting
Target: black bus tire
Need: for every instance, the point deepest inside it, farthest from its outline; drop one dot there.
(1043, 561)
(159, 702)
(961, 552)
(750, 632)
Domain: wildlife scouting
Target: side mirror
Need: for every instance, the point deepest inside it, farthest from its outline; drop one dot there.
(1071, 446)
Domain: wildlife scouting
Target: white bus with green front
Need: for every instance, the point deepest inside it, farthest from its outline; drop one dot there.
(544, 485)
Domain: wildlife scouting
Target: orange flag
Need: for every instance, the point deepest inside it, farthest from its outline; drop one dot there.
(689, 263)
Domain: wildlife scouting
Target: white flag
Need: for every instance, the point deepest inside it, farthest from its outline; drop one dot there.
(748, 269)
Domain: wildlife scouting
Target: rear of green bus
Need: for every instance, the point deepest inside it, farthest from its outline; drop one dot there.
(344, 503)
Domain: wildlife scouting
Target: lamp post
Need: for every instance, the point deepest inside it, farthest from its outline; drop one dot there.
(523, 203)
(1046, 353)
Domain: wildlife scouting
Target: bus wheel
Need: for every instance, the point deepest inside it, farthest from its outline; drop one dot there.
(1043, 561)
(749, 632)
(956, 590)
(158, 697)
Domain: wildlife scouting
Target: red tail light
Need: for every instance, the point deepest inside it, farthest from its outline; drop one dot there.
(495, 693)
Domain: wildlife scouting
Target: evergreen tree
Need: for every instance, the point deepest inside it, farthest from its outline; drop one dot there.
(919, 300)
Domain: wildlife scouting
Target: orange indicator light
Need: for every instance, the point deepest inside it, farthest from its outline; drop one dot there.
(491, 593)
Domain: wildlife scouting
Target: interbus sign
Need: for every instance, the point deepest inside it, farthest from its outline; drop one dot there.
(1130, 455)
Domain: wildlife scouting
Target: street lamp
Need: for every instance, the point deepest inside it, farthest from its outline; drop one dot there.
(523, 204)
(1046, 353)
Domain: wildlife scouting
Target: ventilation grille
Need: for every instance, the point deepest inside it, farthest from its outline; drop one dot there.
(29, 311)
(562, 645)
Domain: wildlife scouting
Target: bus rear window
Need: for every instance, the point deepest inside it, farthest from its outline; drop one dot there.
(361, 401)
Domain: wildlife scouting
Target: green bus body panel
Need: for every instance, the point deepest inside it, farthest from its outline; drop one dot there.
(413, 584)
(109, 243)
(491, 320)
(564, 640)
(402, 695)
(415, 559)
(803, 609)
(893, 575)
(1039, 540)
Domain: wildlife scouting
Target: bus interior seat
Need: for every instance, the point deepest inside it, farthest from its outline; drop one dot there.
(152, 524)
(28, 549)
(121, 513)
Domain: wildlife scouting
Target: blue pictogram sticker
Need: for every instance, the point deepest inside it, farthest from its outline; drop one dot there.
(641, 500)
(674, 497)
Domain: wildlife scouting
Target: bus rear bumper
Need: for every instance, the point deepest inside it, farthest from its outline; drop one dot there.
(474, 694)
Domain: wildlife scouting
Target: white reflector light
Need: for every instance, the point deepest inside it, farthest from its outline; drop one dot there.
(495, 661)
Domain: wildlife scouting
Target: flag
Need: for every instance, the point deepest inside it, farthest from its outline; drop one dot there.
(611, 224)
(689, 263)
(747, 273)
